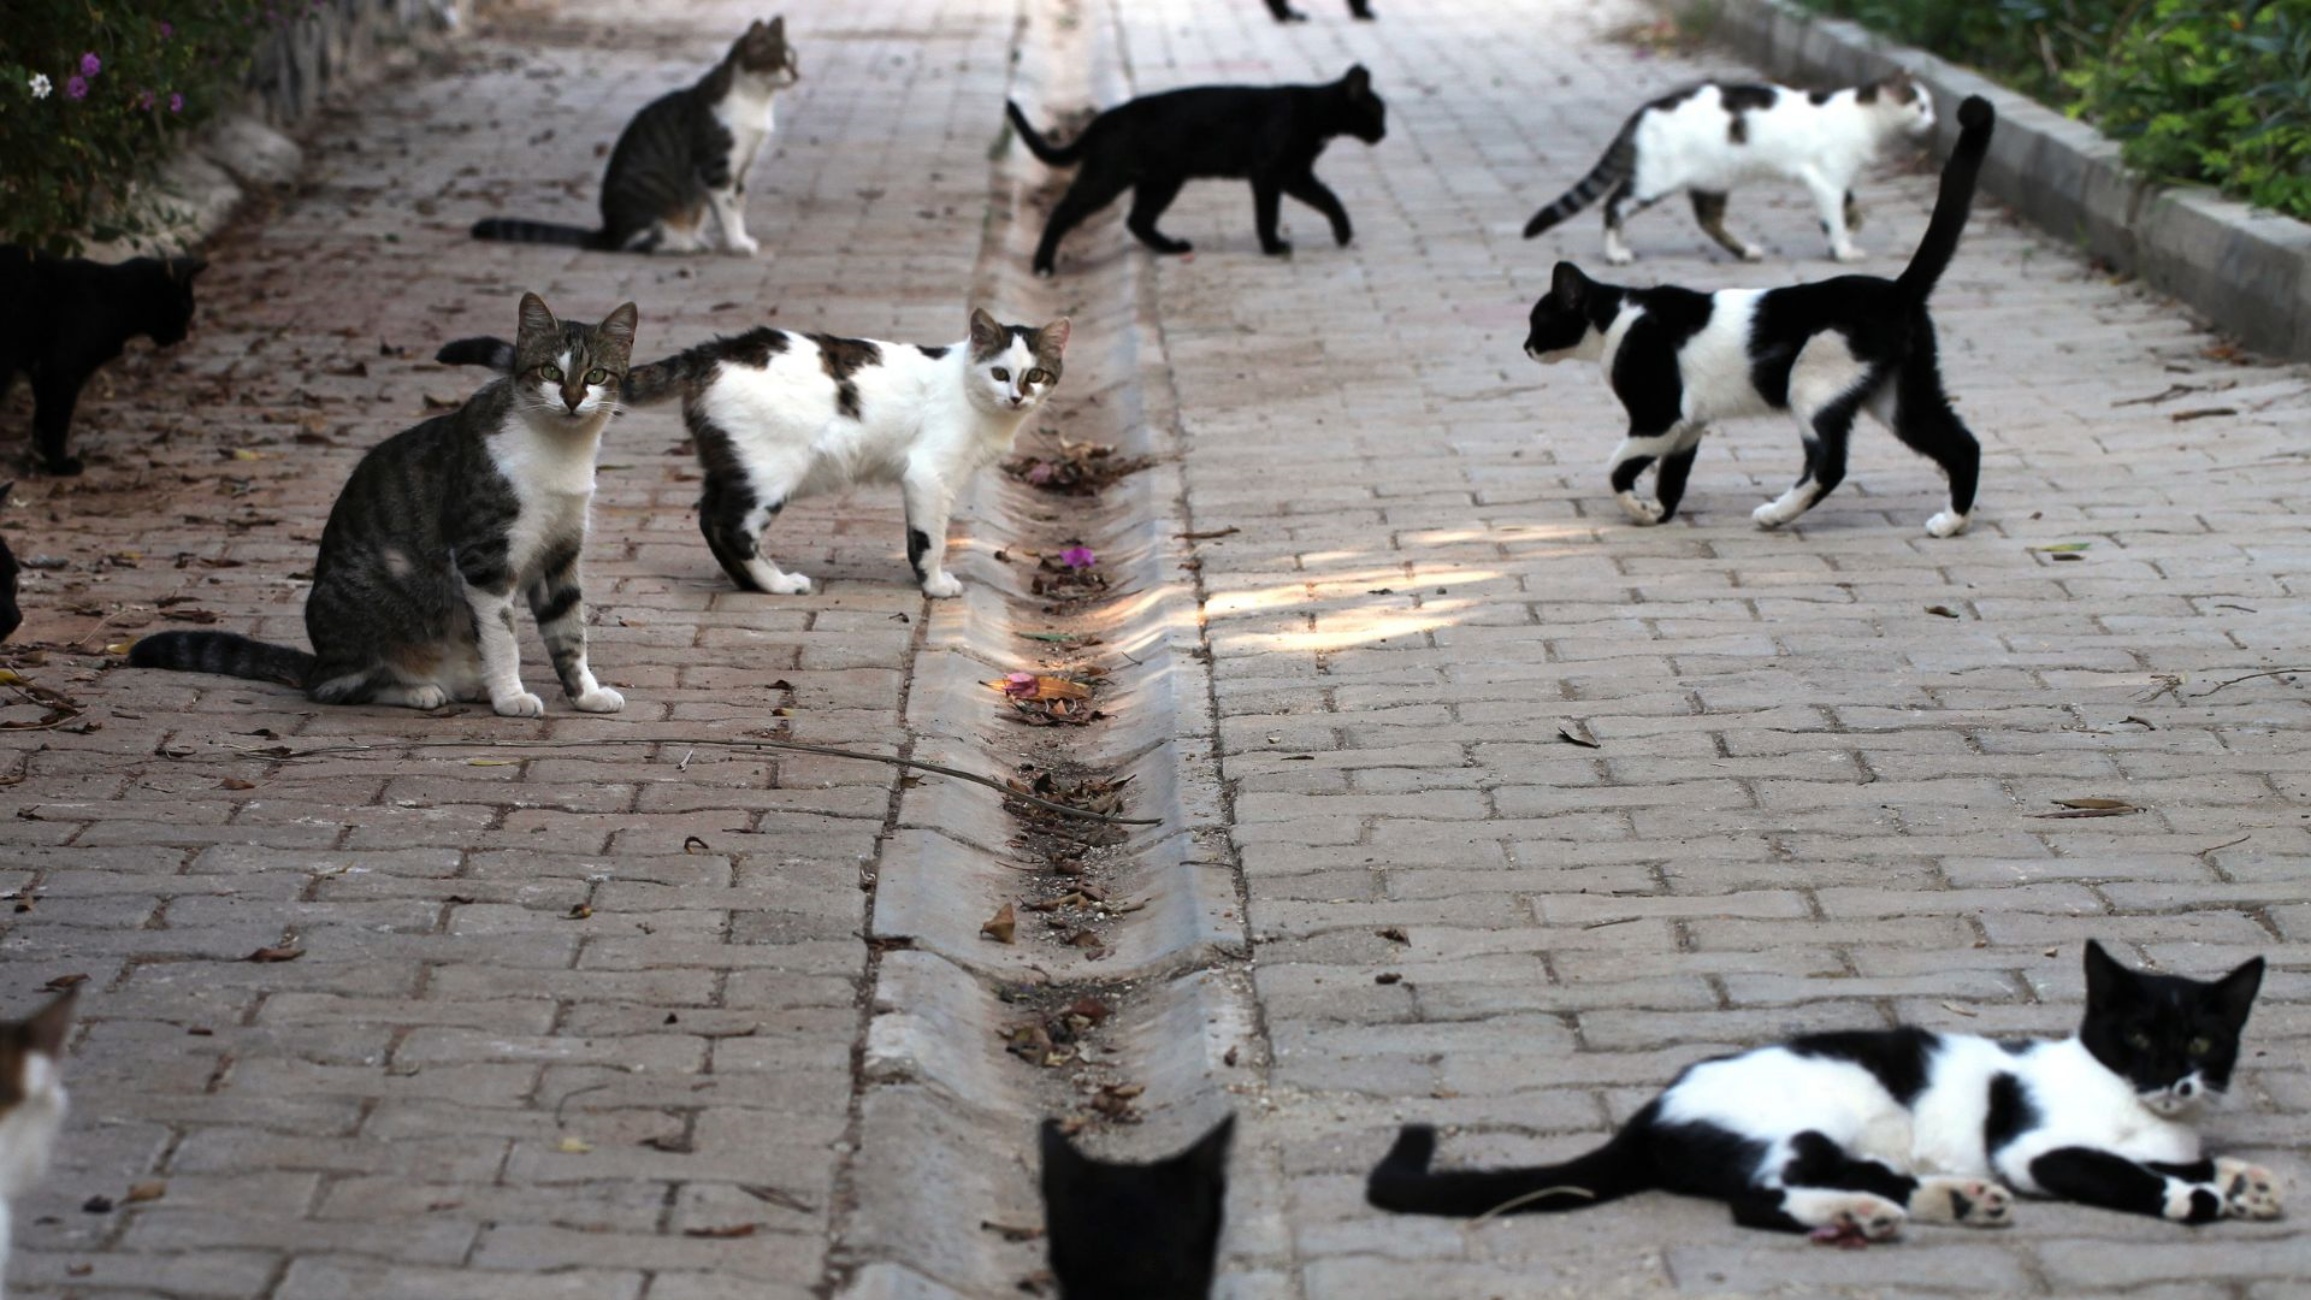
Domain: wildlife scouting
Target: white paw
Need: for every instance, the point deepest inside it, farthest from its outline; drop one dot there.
(1619, 257)
(741, 245)
(1638, 508)
(1752, 253)
(1845, 1217)
(789, 584)
(426, 697)
(1848, 253)
(601, 699)
(1972, 1201)
(1946, 524)
(942, 586)
(518, 704)
(2249, 1191)
(1772, 515)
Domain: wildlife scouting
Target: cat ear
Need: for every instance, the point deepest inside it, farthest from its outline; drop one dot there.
(1568, 286)
(2106, 981)
(2234, 994)
(1358, 81)
(778, 29)
(987, 333)
(185, 268)
(619, 324)
(535, 318)
(1060, 1158)
(1209, 1156)
(1051, 340)
(46, 1030)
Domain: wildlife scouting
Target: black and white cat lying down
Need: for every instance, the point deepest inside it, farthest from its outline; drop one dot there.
(1823, 352)
(1846, 1135)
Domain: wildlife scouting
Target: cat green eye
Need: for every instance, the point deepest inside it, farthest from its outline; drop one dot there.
(2201, 1046)
(2139, 1041)
(551, 374)
(1002, 374)
(597, 376)
(1038, 377)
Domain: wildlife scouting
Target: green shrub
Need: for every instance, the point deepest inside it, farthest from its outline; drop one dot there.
(94, 95)
(2194, 91)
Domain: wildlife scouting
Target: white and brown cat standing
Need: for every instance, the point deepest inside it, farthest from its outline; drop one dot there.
(32, 1106)
(1706, 139)
(684, 155)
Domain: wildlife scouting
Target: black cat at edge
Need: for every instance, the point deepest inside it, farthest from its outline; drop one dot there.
(1135, 1232)
(1929, 1126)
(68, 316)
(1269, 135)
(1285, 13)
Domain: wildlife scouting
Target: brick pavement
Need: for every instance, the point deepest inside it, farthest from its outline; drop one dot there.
(1811, 802)
(461, 1088)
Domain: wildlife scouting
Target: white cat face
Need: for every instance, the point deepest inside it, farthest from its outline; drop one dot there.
(1013, 367)
(560, 388)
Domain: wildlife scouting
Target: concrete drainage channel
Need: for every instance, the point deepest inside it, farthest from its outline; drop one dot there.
(1122, 996)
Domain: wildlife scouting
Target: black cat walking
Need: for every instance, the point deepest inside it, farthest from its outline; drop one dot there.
(1269, 135)
(66, 316)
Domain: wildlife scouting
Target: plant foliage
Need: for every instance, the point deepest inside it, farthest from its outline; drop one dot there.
(2193, 90)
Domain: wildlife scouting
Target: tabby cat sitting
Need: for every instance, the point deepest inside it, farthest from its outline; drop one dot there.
(777, 415)
(67, 316)
(684, 155)
(1847, 1135)
(440, 529)
(1270, 135)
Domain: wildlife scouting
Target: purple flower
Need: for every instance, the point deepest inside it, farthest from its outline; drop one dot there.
(90, 65)
(144, 102)
(1078, 557)
(76, 87)
(176, 103)
(167, 30)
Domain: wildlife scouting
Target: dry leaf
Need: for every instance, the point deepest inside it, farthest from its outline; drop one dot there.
(1394, 934)
(1010, 1232)
(1968, 1012)
(1941, 611)
(2094, 803)
(1578, 733)
(236, 783)
(283, 952)
(778, 1196)
(1388, 977)
(64, 982)
(578, 912)
(725, 1232)
(492, 762)
(151, 1189)
(693, 844)
(574, 1146)
(1003, 927)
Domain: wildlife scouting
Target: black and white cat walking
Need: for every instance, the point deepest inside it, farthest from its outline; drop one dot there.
(1850, 1134)
(1824, 352)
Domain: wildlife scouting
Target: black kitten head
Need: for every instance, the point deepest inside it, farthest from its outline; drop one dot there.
(1366, 114)
(167, 288)
(1135, 1232)
(2175, 1039)
(1565, 320)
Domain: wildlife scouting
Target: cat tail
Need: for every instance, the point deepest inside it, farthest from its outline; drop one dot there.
(224, 653)
(481, 350)
(1975, 119)
(1050, 154)
(1403, 1182)
(1616, 167)
(516, 230)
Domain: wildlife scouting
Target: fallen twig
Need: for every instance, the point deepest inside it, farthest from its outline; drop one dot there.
(2268, 672)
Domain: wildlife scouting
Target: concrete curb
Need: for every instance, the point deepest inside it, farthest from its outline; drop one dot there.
(2247, 271)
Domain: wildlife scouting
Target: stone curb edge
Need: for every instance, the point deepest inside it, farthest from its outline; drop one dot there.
(2248, 271)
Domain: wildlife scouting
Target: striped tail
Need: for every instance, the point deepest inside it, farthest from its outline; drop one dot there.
(1050, 154)
(1940, 244)
(224, 653)
(1403, 1182)
(515, 230)
(1618, 164)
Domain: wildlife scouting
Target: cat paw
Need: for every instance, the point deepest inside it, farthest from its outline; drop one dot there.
(425, 697)
(1638, 508)
(60, 466)
(1947, 524)
(1279, 248)
(601, 699)
(1752, 253)
(1845, 1218)
(1618, 256)
(741, 246)
(1972, 1201)
(1847, 254)
(788, 584)
(942, 586)
(518, 704)
(2249, 1191)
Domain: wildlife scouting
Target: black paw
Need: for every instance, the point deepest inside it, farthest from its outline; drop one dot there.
(1276, 247)
(1290, 16)
(60, 466)
(1044, 269)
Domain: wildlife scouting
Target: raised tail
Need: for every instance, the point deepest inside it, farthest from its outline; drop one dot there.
(1051, 155)
(516, 230)
(1403, 1182)
(1619, 162)
(224, 653)
(1975, 120)
(643, 385)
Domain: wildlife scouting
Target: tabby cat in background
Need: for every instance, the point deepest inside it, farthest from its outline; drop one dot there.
(440, 529)
(32, 1105)
(683, 156)
(61, 318)
(1847, 1135)
(777, 415)
(1135, 1232)
(1269, 135)
(1706, 139)
(1824, 352)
